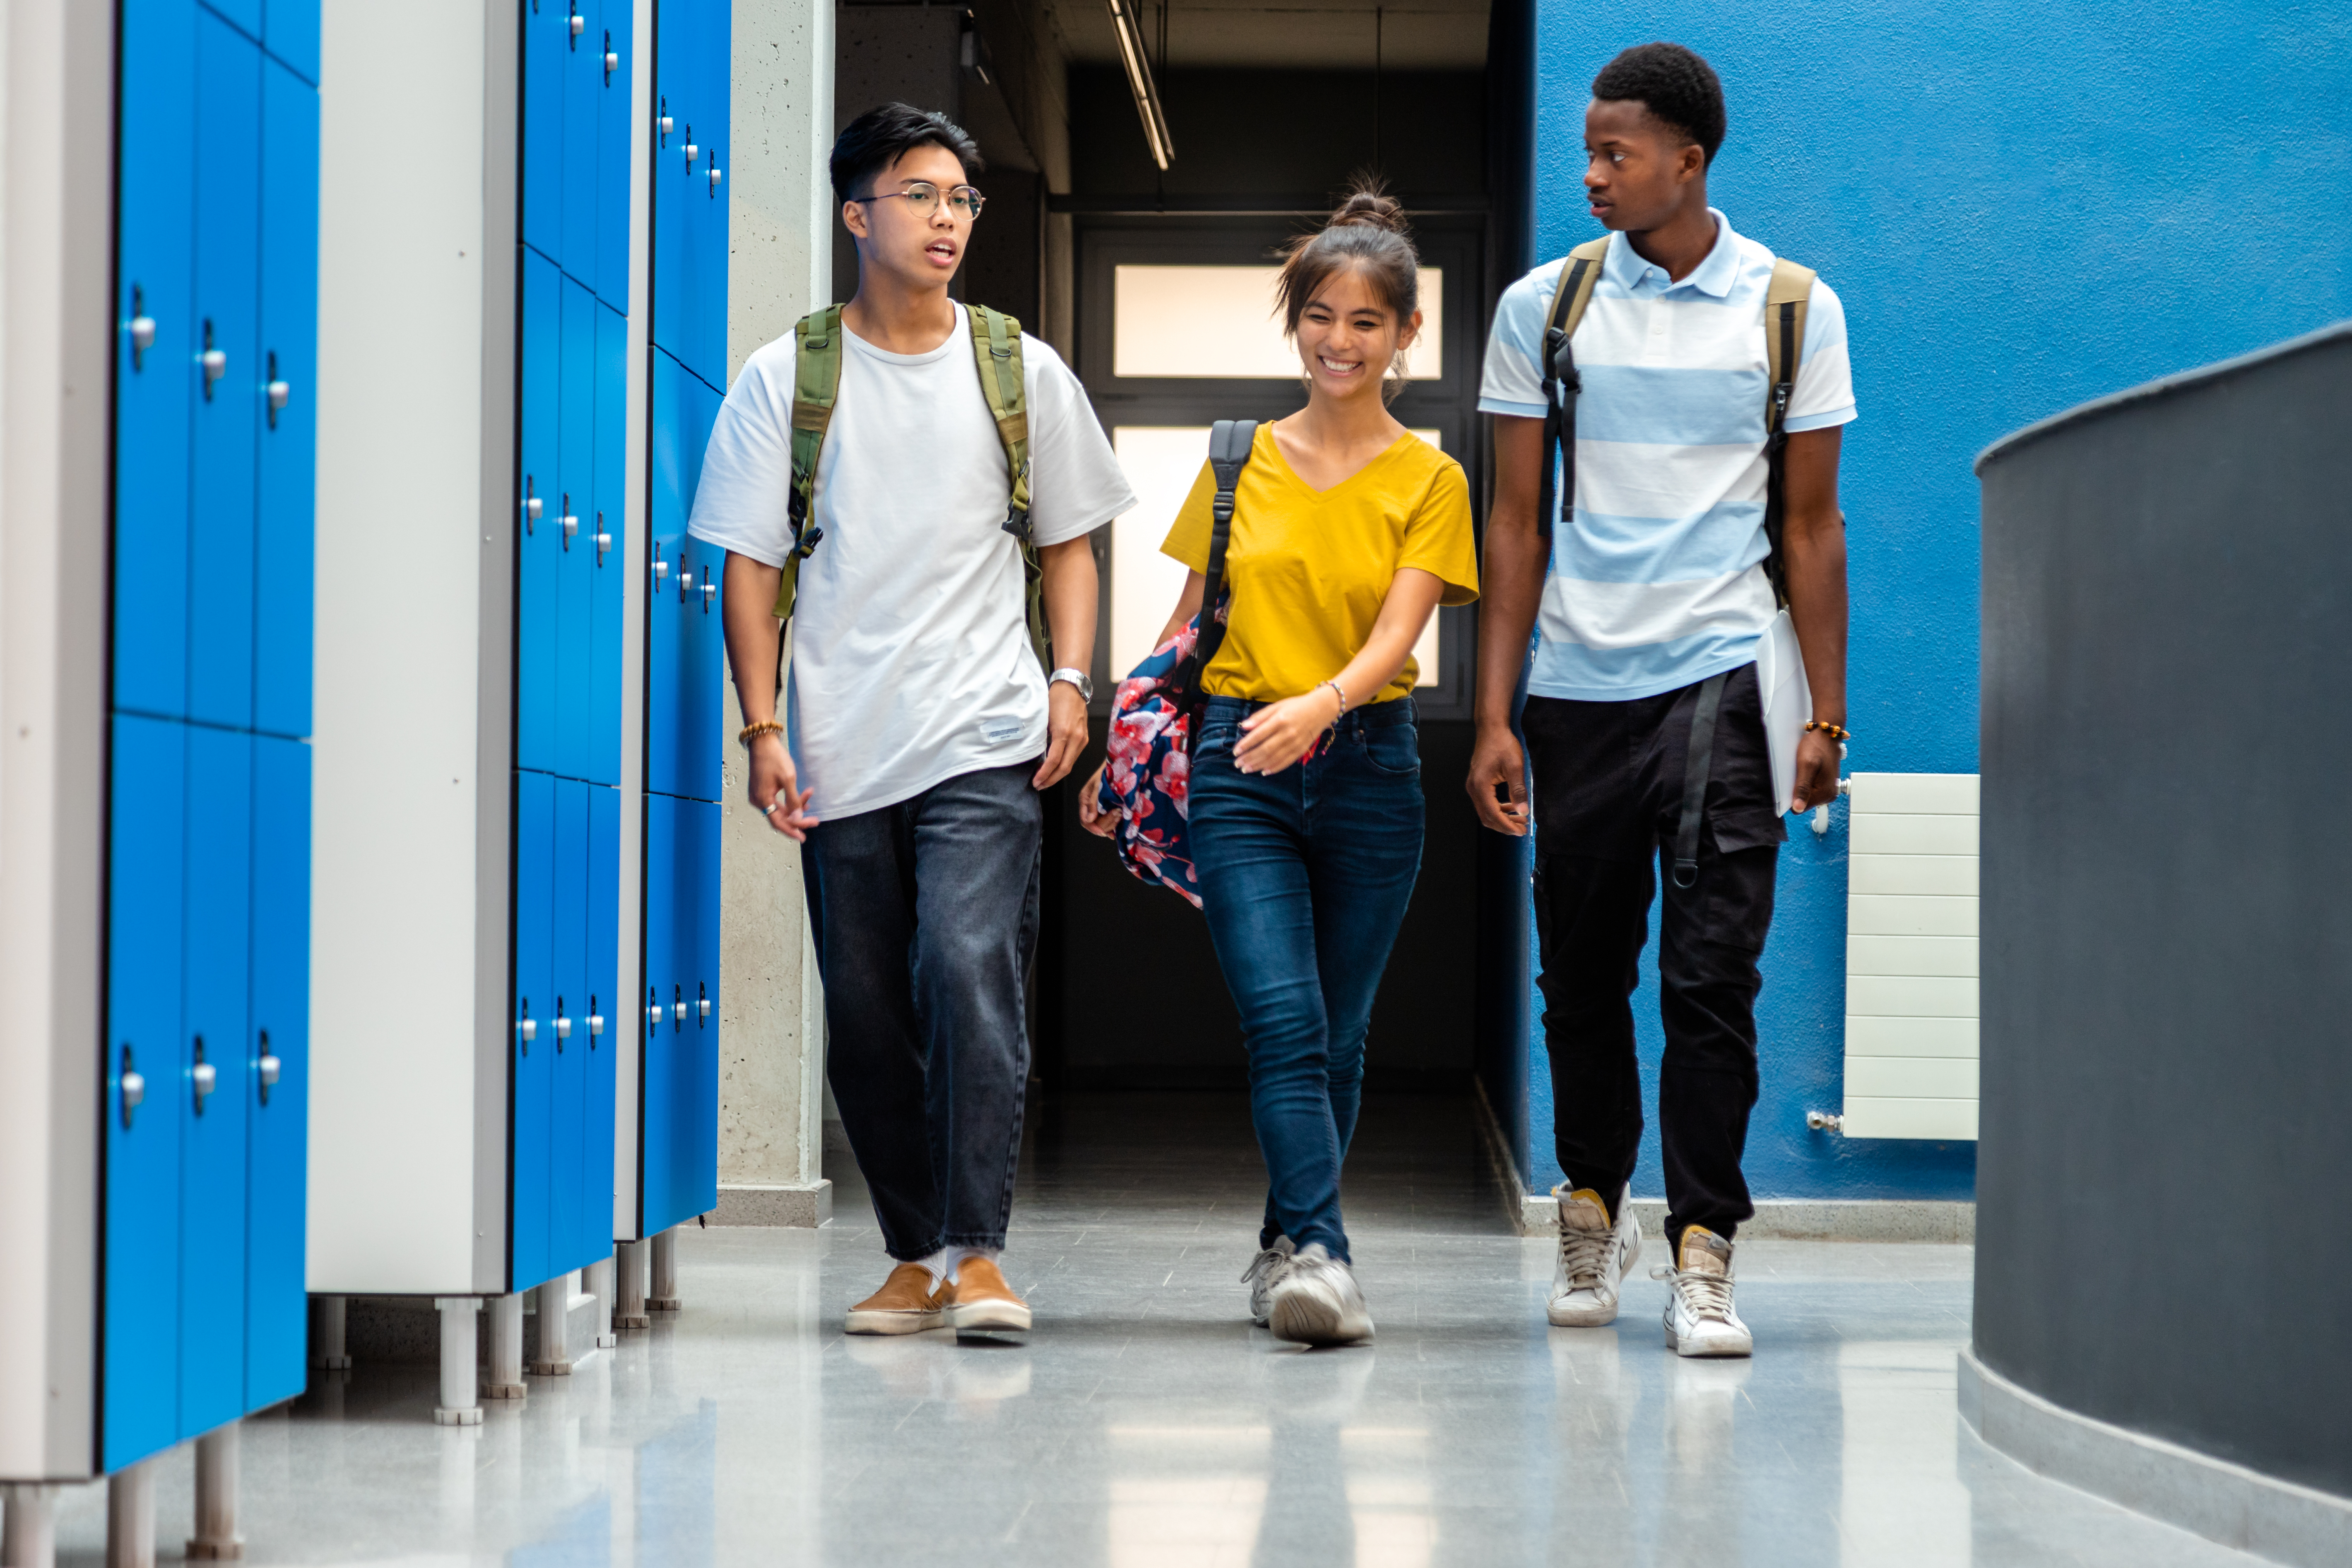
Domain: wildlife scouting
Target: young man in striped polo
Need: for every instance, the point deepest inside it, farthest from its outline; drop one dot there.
(1646, 608)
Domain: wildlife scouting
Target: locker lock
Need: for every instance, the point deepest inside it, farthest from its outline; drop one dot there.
(715, 174)
(526, 1030)
(570, 523)
(579, 22)
(134, 1089)
(653, 1008)
(279, 392)
(562, 1025)
(678, 1012)
(595, 1023)
(702, 1001)
(214, 361)
(685, 581)
(205, 1077)
(532, 505)
(661, 567)
(692, 151)
(603, 540)
(611, 57)
(665, 123)
(710, 592)
(267, 1069)
(143, 328)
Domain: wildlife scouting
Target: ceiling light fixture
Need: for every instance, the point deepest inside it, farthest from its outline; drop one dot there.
(1140, 83)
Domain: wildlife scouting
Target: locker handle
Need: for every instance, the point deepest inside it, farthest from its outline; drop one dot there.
(595, 1023)
(714, 180)
(692, 151)
(666, 125)
(205, 1077)
(562, 1025)
(143, 328)
(134, 1089)
(579, 24)
(570, 523)
(267, 1069)
(526, 1030)
(678, 1013)
(214, 361)
(603, 540)
(532, 505)
(661, 569)
(279, 392)
(611, 57)
(703, 1001)
(710, 592)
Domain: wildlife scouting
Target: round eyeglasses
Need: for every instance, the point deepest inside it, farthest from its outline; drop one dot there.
(922, 197)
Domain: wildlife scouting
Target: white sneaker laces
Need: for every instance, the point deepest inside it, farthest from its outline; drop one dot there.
(1584, 1257)
(1266, 1266)
(1706, 1297)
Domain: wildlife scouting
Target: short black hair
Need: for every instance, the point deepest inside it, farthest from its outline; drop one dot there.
(1681, 90)
(880, 137)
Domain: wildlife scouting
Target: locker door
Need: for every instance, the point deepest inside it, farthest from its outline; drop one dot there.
(707, 196)
(290, 32)
(539, 538)
(662, 1093)
(278, 1150)
(546, 51)
(607, 1010)
(289, 331)
(568, 1113)
(584, 99)
(245, 15)
(146, 835)
(682, 639)
(576, 564)
(229, 403)
(609, 558)
(534, 1035)
(155, 366)
(672, 96)
(696, 1154)
(614, 124)
(215, 982)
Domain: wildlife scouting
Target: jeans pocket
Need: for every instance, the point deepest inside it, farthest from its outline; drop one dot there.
(1394, 749)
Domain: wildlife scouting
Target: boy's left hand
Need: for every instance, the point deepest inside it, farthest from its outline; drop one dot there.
(1817, 771)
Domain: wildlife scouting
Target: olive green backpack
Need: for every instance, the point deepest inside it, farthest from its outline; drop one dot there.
(816, 385)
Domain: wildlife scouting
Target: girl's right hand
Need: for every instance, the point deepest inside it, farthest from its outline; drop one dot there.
(1102, 823)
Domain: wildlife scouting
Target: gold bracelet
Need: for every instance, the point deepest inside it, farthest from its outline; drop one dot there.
(751, 732)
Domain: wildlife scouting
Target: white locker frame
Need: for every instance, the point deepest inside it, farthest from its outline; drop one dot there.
(1911, 963)
(57, 325)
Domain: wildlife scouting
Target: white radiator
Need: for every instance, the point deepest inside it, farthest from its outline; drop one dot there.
(1911, 957)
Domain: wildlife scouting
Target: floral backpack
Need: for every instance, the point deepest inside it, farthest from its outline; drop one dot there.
(1157, 712)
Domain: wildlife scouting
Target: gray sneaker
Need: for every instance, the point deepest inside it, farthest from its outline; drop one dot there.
(1264, 1273)
(1596, 1253)
(1316, 1301)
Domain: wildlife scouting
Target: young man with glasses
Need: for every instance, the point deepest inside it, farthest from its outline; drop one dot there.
(1648, 602)
(921, 725)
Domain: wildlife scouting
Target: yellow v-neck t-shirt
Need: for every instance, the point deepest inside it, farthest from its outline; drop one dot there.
(1309, 569)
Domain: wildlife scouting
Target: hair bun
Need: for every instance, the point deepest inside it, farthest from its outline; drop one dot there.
(1371, 206)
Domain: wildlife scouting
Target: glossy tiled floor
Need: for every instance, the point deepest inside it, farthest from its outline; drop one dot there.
(1146, 1423)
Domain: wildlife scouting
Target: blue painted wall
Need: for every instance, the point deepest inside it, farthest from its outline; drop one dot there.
(2023, 203)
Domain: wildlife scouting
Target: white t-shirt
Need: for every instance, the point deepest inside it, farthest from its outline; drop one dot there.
(911, 660)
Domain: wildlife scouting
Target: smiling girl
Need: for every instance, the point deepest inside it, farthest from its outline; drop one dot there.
(1305, 809)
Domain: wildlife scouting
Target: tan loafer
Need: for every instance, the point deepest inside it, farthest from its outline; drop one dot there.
(984, 1301)
(908, 1303)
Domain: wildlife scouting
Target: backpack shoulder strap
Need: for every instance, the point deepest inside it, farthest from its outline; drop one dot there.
(1230, 443)
(1578, 275)
(1004, 382)
(816, 385)
(1785, 299)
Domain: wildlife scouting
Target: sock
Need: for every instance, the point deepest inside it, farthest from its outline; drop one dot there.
(942, 1264)
(956, 1257)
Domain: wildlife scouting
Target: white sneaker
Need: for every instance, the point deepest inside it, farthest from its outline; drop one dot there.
(1317, 1302)
(1594, 1258)
(1264, 1273)
(1700, 1319)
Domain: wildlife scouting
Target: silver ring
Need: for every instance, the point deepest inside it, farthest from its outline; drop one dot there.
(772, 807)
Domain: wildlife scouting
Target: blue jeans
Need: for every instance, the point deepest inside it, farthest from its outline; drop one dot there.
(924, 916)
(1305, 876)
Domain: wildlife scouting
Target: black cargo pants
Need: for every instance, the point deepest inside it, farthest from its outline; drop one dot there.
(1608, 801)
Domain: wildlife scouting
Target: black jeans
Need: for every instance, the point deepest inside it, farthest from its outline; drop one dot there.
(925, 920)
(1607, 800)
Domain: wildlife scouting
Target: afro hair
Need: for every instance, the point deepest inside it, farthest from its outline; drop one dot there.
(1681, 90)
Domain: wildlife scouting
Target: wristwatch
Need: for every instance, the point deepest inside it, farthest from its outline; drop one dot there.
(1077, 678)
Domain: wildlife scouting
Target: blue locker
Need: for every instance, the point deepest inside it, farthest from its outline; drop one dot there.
(607, 1010)
(683, 743)
(611, 553)
(155, 365)
(700, 844)
(539, 548)
(290, 32)
(568, 1101)
(534, 1035)
(707, 198)
(583, 100)
(546, 52)
(681, 1058)
(146, 837)
(227, 406)
(245, 15)
(288, 477)
(664, 1088)
(277, 1149)
(615, 122)
(577, 563)
(691, 88)
(214, 984)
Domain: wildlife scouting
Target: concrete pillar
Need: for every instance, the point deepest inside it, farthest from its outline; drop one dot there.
(771, 1015)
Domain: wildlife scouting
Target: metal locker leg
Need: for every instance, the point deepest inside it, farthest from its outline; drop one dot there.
(131, 1517)
(600, 1285)
(554, 1302)
(217, 1538)
(326, 1351)
(506, 1348)
(460, 1331)
(664, 1295)
(29, 1537)
(629, 1295)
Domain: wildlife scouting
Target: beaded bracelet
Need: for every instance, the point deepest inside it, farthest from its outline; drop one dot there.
(751, 732)
(1834, 732)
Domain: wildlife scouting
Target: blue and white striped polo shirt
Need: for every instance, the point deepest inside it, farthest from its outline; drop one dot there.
(1657, 580)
